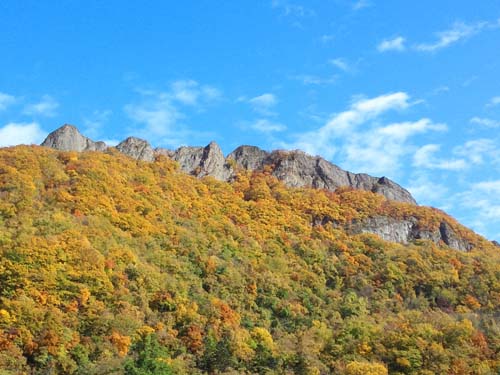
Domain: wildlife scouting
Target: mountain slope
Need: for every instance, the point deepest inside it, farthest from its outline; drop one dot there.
(294, 168)
(114, 265)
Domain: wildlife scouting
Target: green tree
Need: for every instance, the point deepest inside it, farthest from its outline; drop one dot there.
(150, 358)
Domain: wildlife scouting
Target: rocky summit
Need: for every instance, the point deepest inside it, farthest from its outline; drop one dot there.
(68, 138)
(294, 168)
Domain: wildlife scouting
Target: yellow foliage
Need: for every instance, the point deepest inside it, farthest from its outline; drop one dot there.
(365, 368)
(121, 343)
(263, 337)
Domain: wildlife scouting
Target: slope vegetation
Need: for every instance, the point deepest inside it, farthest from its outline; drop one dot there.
(110, 265)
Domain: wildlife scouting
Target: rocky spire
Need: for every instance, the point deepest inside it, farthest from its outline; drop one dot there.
(136, 148)
(68, 138)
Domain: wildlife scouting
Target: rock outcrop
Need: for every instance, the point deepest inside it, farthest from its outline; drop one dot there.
(298, 169)
(202, 161)
(68, 138)
(294, 168)
(407, 230)
(136, 148)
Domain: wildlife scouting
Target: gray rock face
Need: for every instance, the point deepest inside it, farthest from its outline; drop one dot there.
(136, 148)
(406, 231)
(248, 157)
(294, 168)
(298, 169)
(68, 138)
(202, 161)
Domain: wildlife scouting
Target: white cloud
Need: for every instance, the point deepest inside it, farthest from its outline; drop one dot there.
(359, 139)
(264, 103)
(494, 101)
(394, 44)
(21, 133)
(425, 189)
(190, 92)
(361, 4)
(47, 106)
(6, 101)
(95, 122)
(292, 9)
(488, 186)
(320, 141)
(380, 150)
(342, 64)
(159, 112)
(485, 122)
(478, 151)
(402, 131)
(459, 31)
(425, 157)
(481, 201)
(267, 126)
(308, 79)
(327, 38)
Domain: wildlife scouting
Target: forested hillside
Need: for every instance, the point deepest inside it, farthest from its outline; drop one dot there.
(110, 265)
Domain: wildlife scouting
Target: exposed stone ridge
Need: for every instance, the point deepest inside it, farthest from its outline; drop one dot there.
(407, 230)
(294, 168)
(68, 138)
(136, 148)
(298, 169)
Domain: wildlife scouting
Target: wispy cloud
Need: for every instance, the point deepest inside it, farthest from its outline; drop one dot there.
(292, 9)
(6, 101)
(21, 133)
(479, 151)
(485, 122)
(494, 101)
(342, 64)
(481, 201)
(472, 152)
(264, 104)
(425, 158)
(47, 107)
(94, 123)
(314, 80)
(358, 138)
(393, 44)
(190, 92)
(267, 126)
(459, 31)
(488, 186)
(361, 4)
(160, 112)
(327, 38)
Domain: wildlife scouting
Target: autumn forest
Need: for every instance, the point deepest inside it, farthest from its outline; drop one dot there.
(109, 265)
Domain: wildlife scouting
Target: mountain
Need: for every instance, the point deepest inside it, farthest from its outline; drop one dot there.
(117, 261)
(294, 168)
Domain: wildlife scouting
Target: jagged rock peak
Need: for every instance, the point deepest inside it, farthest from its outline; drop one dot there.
(299, 169)
(202, 161)
(248, 157)
(294, 168)
(68, 138)
(136, 148)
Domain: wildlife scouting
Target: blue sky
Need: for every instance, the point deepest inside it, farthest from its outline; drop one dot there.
(409, 90)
